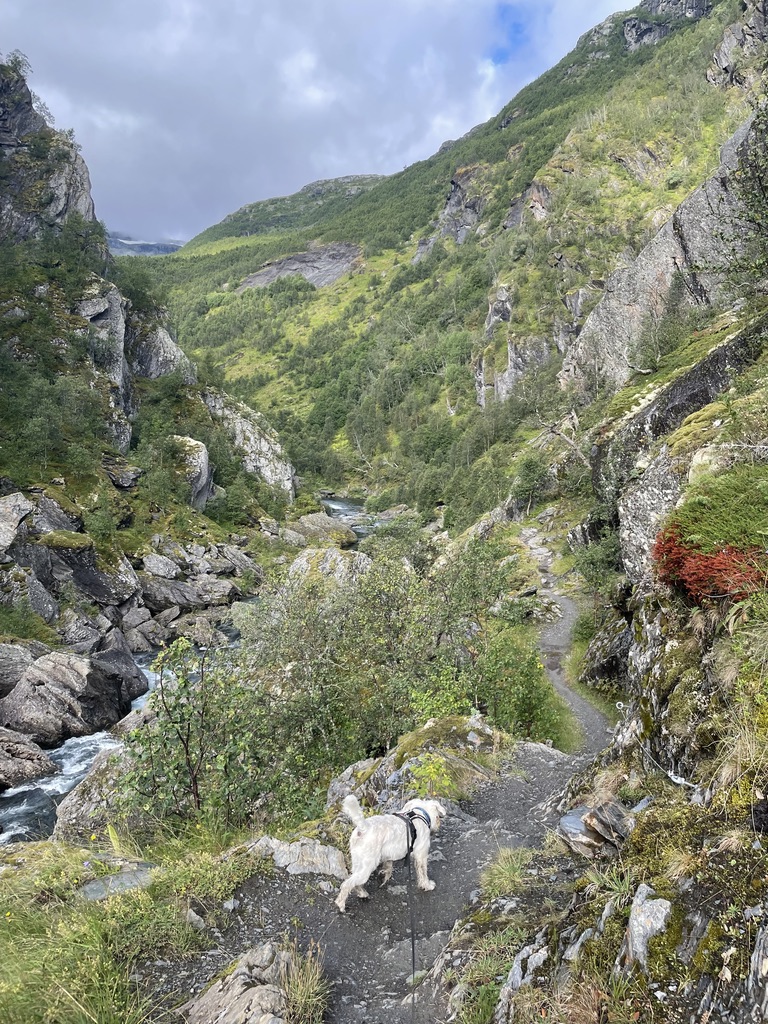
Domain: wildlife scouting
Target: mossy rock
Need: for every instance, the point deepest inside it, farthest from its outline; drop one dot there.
(60, 539)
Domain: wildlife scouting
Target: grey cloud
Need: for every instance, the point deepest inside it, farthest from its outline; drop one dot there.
(186, 110)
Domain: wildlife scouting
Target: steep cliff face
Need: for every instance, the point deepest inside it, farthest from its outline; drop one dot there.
(27, 203)
(691, 250)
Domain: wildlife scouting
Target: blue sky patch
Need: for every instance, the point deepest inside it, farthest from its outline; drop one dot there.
(512, 32)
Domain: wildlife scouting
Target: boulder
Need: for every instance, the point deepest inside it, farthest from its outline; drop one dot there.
(647, 918)
(123, 476)
(153, 353)
(63, 557)
(15, 659)
(159, 565)
(303, 857)
(252, 993)
(113, 654)
(319, 528)
(49, 516)
(340, 566)
(159, 594)
(64, 695)
(14, 508)
(214, 591)
(197, 470)
(21, 760)
(242, 564)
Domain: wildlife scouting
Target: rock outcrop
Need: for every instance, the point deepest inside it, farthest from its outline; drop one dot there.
(21, 760)
(463, 208)
(741, 43)
(253, 993)
(321, 266)
(197, 470)
(68, 188)
(688, 248)
(254, 439)
(63, 695)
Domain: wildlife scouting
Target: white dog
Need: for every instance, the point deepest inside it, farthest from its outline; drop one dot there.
(384, 838)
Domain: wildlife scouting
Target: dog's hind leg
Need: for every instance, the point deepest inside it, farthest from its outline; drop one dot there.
(385, 871)
(355, 884)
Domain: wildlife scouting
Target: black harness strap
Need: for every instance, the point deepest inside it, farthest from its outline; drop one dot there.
(411, 829)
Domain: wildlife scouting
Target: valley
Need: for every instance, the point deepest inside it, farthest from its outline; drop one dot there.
(527, 379)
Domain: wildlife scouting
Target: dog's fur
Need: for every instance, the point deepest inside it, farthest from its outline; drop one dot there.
(382, 839)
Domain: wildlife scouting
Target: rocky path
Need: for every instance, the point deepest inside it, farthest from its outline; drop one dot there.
(367, 951)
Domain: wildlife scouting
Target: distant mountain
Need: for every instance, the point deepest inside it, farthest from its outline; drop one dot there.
(120, 246)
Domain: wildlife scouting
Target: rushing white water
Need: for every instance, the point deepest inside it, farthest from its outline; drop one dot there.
(29, 811)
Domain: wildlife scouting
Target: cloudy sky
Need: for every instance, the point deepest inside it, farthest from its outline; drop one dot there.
(188, 109)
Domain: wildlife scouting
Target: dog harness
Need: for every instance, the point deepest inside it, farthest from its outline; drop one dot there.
(419, 814)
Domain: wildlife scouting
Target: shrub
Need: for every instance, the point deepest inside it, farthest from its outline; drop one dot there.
(729, 573)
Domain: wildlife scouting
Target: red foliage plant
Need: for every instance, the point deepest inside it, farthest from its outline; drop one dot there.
(730, 572)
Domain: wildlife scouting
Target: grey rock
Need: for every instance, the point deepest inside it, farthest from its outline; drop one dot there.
(50, 516)
(132, 876)
(21, 760)
(691, 244)
(152, 353)
(732, 61)
(305, 856)
(251, 994)
(124, 476)
(63, 695)
(616, 458)
(159, 565)
(292, 537)
(79, 632)
(647, 918)
(463, 208)
(40, 601)
(74, 561)
(257, 443)
(639, 32)
(15, 659)
(14, 509)
(159, 594)
(318, 527)
(214, 591)
(321, 266)
(606, 657)
(113, 654)
(243, 564)
(341, 566)
(197, 470)
(135, 616)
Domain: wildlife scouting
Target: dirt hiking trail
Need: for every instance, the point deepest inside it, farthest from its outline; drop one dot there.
(367, 951)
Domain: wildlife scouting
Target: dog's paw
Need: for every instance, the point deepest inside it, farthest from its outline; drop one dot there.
(342, 906)
(428, 886)
(362, 893)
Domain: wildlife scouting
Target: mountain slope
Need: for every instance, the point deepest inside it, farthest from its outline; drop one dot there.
(474, 267)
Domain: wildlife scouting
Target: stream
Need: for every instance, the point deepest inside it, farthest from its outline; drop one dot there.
(28, 812)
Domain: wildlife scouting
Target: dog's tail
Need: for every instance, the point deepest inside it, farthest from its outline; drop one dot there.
(351, 807)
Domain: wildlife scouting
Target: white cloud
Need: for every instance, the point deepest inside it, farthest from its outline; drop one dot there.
(187, 109)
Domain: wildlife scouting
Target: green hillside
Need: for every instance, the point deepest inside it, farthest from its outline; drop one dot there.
(370, 381)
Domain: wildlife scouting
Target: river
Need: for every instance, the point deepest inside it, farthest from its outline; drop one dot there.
(28, 812)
